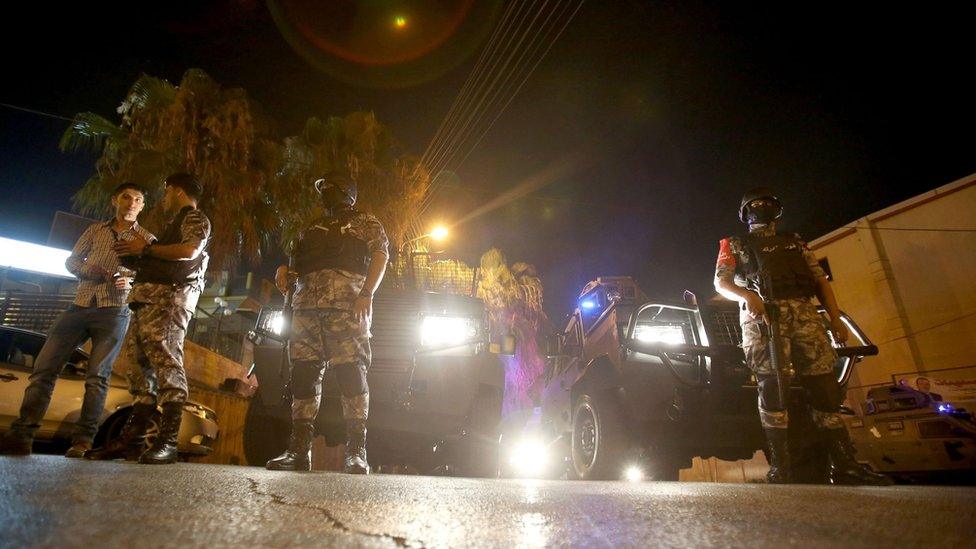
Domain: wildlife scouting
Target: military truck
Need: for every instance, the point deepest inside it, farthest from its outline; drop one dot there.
(905, 434)
(636, 387)
(435, 386)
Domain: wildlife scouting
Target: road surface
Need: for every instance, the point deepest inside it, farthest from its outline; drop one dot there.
(54, 501)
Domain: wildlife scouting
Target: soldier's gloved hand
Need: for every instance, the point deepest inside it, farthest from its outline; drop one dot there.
(362, 308)
(839, 330)
(755, 306)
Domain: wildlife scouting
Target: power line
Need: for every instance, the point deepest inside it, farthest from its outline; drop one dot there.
(462, 109)
(462, 126)
(910, 229)
(520, 85)
(478, 110)
(939, 325)
(39, 113)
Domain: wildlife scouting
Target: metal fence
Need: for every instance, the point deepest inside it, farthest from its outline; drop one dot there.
(428, 273)
(32, 311)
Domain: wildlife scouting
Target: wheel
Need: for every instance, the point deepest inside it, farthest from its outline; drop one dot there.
(599, 443)
(112, 430)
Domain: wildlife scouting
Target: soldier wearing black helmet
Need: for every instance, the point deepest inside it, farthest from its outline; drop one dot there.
(767, 268)
(338, 263)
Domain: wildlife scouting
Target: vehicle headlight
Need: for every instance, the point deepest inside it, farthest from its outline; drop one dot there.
(529, 458)
(447, 331)
(660, 333)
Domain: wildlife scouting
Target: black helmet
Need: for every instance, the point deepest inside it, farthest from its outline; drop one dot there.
(337, 189)
(755, 194)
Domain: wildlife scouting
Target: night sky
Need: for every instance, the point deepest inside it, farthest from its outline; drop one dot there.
(665, 113)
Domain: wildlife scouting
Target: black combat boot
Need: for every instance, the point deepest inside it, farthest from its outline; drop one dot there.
(779, 457)
(844, 468)
(164, 449)
(298, 456)
(16, 443)
(355, 462)
(132, 441)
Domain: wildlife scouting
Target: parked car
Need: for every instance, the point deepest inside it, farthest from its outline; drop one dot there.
(18, 350)
(905, 434)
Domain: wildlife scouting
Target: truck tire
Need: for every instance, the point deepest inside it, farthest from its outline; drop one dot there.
(599, 442)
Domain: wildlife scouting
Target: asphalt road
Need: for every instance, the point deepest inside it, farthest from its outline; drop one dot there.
(54, 501)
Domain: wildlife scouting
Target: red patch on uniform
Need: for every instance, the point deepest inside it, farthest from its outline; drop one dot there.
(725, 255)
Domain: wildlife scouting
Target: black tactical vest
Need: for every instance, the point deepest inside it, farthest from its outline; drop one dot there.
(325, 245)
(777, 262)
(165, 271)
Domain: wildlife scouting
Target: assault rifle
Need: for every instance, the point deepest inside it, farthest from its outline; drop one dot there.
(772, 334)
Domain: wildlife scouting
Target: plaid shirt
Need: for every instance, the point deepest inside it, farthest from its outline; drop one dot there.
(94, 249)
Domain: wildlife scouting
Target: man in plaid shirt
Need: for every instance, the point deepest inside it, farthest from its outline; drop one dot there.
(99, 313)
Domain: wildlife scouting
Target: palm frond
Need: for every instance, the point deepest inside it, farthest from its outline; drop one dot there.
(88, 132)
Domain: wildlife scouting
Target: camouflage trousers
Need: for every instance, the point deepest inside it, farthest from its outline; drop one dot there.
(153, 351)
(807, 353)
(329, 338)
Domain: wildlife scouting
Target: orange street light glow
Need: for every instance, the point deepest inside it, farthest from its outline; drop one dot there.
(400, 21)
(439, 233)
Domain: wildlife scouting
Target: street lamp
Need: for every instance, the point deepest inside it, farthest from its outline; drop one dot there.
(438, 233)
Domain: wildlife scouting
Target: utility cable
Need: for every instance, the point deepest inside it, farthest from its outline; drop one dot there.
(40, 113)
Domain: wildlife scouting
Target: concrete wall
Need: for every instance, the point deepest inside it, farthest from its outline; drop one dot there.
(912, 290)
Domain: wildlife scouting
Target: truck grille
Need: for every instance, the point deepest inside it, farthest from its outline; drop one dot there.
(722, 326)
(396, 331)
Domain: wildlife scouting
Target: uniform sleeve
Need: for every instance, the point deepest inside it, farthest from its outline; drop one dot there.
(376, 240)
(80, 251)
(725, 264)
(195, 229)
(813, 262)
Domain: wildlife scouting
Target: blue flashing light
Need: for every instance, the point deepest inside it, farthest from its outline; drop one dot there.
(945, 408)
(588, 304)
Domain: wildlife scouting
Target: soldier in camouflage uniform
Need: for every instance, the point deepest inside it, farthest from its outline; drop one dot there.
(170, 276)
(339, 261)
(784, 268)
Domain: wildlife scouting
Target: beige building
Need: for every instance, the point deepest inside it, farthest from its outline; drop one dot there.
(907, 275)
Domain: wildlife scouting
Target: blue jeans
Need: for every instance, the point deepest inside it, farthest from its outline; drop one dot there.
(106, 327)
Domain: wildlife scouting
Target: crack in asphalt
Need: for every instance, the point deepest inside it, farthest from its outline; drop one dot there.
(335, 522)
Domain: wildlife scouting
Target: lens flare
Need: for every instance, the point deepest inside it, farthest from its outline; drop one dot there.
(363, 43)
(634, 474)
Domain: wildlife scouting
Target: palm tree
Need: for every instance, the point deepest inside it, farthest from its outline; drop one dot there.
(199, 127)
(513, 296)
(258, 191)
(390, 182)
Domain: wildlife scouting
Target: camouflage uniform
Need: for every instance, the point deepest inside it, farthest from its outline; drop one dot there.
(160, 315)
(807, 350)
(325, 334)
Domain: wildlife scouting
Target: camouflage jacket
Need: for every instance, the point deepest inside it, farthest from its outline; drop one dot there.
(195, 230)
(338, 288)
(732, 253)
